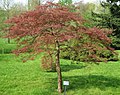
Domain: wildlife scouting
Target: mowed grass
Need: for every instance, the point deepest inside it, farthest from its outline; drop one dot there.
(5, 47)
(17, 78)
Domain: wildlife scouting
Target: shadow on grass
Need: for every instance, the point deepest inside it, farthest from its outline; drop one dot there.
(91, 81)
(65, 68)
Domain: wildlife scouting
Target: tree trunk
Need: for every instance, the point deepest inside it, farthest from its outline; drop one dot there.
(8, 40)
(58, 69)
(8, 16)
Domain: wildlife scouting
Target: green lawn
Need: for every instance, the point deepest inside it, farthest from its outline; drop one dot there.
(5, 47)
(17, 78)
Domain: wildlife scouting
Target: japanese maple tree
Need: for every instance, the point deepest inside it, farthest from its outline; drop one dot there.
(49, 28)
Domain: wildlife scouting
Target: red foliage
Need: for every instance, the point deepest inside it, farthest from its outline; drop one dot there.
(38, 29)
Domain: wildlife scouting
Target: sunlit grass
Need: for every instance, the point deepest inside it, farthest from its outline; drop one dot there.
(17, 78)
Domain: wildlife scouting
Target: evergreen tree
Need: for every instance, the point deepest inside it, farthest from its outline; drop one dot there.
(110, 18)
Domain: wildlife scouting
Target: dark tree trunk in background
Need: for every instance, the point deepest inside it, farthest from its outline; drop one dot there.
(8, 17)
(8, 40)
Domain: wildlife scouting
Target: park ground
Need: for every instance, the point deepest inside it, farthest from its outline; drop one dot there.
(18, 78)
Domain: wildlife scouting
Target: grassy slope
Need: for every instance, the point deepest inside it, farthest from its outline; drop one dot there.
(17, 78)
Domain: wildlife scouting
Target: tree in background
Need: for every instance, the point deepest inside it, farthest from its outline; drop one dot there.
(65, 2)
(9, 9)
(6, 5)
(110, 18)
(17, 9)
(32, 4)
(49, 29)
(85, 10)
(2, 18)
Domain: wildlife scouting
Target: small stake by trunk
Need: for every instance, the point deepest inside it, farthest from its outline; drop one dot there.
(58, 69)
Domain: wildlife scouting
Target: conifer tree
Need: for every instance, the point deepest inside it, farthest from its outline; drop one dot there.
(110, 18)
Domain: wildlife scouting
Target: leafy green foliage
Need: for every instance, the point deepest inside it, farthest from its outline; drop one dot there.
(84, 53)
(65, 2)
(2, 19)
(110, 19)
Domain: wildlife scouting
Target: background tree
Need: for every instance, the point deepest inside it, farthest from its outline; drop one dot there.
(65, 2)
(85, 10)
(17, 9)
(110, 18)
(2, 18)
(32, 4)
(6, 5)
(9, 9)
(49, 29)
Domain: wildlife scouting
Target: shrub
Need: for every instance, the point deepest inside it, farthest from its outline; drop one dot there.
(48, 63)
